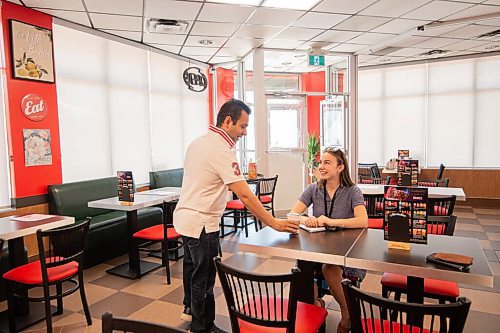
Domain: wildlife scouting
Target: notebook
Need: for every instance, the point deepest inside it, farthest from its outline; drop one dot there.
(461, 263)
(312, 229)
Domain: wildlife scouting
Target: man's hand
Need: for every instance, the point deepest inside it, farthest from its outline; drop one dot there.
(286, 226)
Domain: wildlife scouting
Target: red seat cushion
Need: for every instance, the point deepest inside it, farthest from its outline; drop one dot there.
(431, 286)
(235, 204)
(32, 273)
(379, 205)
(155, 233)
(375, 326)
(440, 211)
(427, 184)
(309, 318)
(435, 229)
(265, 199)
(375, 223)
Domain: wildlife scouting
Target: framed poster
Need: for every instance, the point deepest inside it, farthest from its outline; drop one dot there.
(37, 149)
(403, 153)
(407, 172)
(31, 52)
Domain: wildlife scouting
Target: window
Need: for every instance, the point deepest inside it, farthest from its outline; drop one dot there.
(4, 158)
(284, 122)
(443, 112)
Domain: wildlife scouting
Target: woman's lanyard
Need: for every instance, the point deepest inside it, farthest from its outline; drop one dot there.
(329, 213)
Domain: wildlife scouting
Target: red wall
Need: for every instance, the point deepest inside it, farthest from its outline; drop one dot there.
(313, 82)
(225, 89)
(33, 180)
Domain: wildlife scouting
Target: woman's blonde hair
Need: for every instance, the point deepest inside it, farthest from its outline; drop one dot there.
(345, 177)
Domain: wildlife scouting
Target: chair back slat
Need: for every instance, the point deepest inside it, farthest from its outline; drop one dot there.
(440, 172)
(367, 310)
(259, 299)
(441, 225)
(443, 206)
(268, 185)
(374, 204)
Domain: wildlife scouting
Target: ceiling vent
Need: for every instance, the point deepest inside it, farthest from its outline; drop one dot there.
(386, 50)
(490, 35)
(165, 25)
(432, 53)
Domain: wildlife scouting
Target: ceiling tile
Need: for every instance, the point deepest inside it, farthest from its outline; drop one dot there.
(319, 20)
(219, 13)
(438, 31)
(362, 23)
(216, 41)
(202, 58)
(346, 47)
(474, 11)
(398, 26)
(77, 17)
(321, 45)
(371, 38)
(171, 39)
(241, 2)
(493, 22)
(127, 7)
(343, 7)
(133, 35)
(169, 48)
(408, 52)
(492, 2)
(470, 31)
(244, 43)
(169, 9)
(435, 43)
(409, 41)
(214, 29)
(282, 43)
(194, 50)
(280, 17)
(333, 36)
(56, 4)
(436, 10)
(471, 1)
(232, 52)
(221, 59)
(393, 8)
(298, 33)
(495, 46)
(465, 45)
(117, 22)
(257, 31)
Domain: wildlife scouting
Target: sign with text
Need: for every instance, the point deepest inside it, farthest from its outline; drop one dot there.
(34, 107)
(407, 172)
(405, 214)
(194, 79)
(125, 186)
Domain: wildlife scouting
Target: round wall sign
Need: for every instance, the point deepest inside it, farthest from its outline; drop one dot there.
(34, 107)
(195, 79)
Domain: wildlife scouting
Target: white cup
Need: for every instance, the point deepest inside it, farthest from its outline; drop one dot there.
(294, 217)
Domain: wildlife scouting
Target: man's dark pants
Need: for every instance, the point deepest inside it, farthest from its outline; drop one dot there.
(199, 278)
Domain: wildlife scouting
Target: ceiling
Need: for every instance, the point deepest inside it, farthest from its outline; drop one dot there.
(334, 25)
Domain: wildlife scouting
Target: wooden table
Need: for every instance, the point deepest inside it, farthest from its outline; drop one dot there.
(13, 232)
(144, 199)
(434, 192)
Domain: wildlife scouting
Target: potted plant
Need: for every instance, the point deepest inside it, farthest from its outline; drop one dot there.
(313, 150)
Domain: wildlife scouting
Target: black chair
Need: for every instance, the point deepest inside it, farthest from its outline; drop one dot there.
(237, 210)
(440, 172)
(371, 180)
(374, 204)
(434, 183)
(163, 233)
(367, 312)
(267, 187)
(365, 169)
(110, 324)
(441, 206)
(61, 253)
(259, 301)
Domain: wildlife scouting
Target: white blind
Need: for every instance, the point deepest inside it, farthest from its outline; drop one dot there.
(4, 157)
(141, 115)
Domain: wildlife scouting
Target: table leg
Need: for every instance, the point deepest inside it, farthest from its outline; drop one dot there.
(135, 268)
(415, 295)
(305, 283)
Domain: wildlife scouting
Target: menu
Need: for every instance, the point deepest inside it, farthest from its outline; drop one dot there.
(125, 186)
(405, 214)
(403, 153)
(407, 172)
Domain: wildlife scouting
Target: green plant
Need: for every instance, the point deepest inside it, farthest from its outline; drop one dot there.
(313, 150)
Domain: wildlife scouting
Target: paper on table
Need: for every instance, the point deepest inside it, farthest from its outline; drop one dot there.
(312, 229)
(31, 217)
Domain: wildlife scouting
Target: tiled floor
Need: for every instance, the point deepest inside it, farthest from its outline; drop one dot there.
(151, 299)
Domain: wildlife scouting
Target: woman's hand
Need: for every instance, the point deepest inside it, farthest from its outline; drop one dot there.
(311, 222)
(324, 221)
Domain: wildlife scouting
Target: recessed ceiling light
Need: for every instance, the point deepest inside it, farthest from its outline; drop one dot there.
(290, 4)
(205, 42)
(238, 2)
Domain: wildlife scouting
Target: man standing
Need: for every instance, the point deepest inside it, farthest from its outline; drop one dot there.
(210, 168)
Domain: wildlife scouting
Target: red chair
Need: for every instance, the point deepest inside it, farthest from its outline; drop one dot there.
(434, 183)
(441, 206)
(236, 210)
(162, 233)
(374, 204)
(61, 260)
(444, 291)
(261, 303)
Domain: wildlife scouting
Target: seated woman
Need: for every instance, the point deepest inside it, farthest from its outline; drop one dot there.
(337, 202)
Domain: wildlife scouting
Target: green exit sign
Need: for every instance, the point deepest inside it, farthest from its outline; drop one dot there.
(316, 60)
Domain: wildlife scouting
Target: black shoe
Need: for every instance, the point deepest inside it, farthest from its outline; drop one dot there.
(186, 314)
(215, 329)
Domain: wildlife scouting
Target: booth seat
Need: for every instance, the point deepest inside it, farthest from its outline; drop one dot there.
(166, 178)
(107, 236)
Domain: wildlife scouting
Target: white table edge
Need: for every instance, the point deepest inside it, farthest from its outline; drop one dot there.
(67, 220)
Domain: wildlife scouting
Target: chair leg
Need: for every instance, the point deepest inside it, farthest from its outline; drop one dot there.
(48, 312)
(164, 258)
(59, 299)
(11, 303)
(245, 223)
(84, 298)
(255, 222)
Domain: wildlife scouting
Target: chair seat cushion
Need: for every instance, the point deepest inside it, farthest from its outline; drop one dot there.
(156, 232)
(431, 286)
(379, 205)
(375, 223)
(440, 211)
(436, 229)
(309, 318)
(235, 204)
(375, 326)
(32, 273)
(265, 199)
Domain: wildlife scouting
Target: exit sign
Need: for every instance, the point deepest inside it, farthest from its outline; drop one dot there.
(316, 60)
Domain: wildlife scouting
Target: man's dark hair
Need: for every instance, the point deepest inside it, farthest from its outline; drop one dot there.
(232, 108)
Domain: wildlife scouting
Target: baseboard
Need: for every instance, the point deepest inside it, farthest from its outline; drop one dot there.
(480, 202)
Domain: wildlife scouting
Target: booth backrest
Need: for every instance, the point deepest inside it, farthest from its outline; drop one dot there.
(166, 178)
(71, 199)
